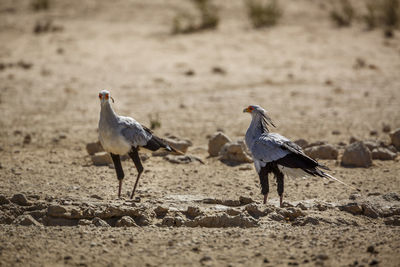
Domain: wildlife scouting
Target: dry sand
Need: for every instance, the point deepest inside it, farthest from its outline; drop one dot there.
(303, 71)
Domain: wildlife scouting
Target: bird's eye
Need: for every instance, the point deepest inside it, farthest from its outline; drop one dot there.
(100, 96)
(251, 108)
(107, 96)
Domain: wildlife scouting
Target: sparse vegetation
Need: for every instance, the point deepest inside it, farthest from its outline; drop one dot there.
(154, 122)
(262, 13)
(38, 5)
(186, 23)
(391, 12)
(343, 13)
(384, 13)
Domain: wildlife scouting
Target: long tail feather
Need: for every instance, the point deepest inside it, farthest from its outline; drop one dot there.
(340, 181)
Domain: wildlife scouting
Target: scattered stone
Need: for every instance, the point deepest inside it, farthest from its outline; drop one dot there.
(395, 220)
(301, 142)
(27, 139)
(373, 132)
(370, 211)
(371, 249)
(56, 210)
(395, 138)
(353, 139)
(275, 216)
(125, 221)
(382, 153)
(101, 159)
(3, 200)
(193, 212)
(291, 213)
(99, 222)
(20, 199)
(245, 200)
(352, 208)
(336, 132)
(326, 151)
(223, 220)
(96, 197)
(254, 211)
(26, 220)
(216, 142)
(160, 211)
(93, 148)
(391, 197)
(309, 220)
(183, 159)
(386, 128)
(301, 206)
(371, 144)
(84, 222)
(172, 221)
(218, 70)
(179, 144)
(233, 212)
(357, 155)
(235, 152)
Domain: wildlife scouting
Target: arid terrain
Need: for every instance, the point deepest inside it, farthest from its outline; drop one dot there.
(318, 82)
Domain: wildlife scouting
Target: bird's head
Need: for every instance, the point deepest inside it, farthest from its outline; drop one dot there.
(104, 96)
(258, 112)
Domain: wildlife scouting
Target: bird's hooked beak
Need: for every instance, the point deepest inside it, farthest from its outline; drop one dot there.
(112, 99)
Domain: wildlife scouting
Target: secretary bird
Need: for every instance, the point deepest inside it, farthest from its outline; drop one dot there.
(274, 153)
(124, 135)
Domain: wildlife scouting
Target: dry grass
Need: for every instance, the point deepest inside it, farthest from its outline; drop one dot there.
(263, 14)
(39, 5)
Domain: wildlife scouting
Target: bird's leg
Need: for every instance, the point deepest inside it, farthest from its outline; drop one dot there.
(263, 174)
(279, 180)
(119, 170)
(134, 154)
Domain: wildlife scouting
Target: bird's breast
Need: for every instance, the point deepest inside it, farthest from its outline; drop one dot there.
(113, 141)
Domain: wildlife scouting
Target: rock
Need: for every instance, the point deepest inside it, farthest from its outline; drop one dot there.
(230, 202)
(216, 142)
(182, 159)
(291, 213)
(125, 221)
(353, 139)
(193, 212)
(357, 155)
(352, 208)
(99, 222)
(235, 152)
(322, 152)
(395, 220)
(172, 221)
(383, 154)
(395, 138)
(56, 210)
(309, 220)
(84, 222)
(160, 211)
(233, 212)
(386, 128)
(93, 148)
(27, 139)
(26, 220)
(3, 200)
(301, 142)
(101, 159)
(254, 211)
(179, 144)
(275, 216)
(20, 199)
(245, 200)
(371, 144)
(223, 220)
(370, 211)
(393, 196)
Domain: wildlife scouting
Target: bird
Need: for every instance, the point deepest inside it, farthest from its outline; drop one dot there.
(276, 154)
(121, 135)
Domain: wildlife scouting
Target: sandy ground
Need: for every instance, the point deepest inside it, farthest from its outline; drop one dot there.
(303, 71)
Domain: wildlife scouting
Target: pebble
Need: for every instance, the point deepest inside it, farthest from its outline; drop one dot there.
(395, 138)
(20, 199)
(356, 155)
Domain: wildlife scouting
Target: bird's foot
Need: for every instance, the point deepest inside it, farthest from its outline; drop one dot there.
(265, 198)
(119, 188)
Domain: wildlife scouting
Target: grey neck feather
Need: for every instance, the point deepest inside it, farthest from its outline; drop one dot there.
(107, 112)
(258, 124)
